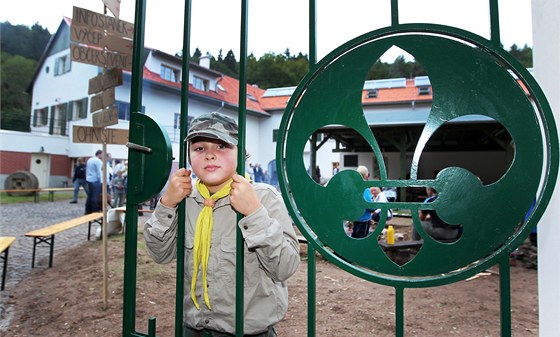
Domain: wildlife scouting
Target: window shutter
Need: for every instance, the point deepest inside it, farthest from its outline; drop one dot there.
(51, 123)
(63, 119)
(45, 116)
(70, 111)
(83, 108)
(67, 64)
(35, 117)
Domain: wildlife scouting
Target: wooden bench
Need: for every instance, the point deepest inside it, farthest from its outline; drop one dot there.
(401, 244)
(5, 244)
(36, 191)
(46, 234)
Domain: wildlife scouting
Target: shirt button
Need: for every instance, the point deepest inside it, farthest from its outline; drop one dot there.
(245, 226)
(169, 216)
(207, 321)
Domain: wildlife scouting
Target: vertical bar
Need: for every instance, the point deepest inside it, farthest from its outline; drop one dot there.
(33, 257)
(5, 267)
(242, 117)
(312, 33)
(180, 276)
(104, 252)
(152, 327)
(505, 296)
(311, 265)
(311, 291)
(495, 23)
(394, 12)
(131, 217)
(399, 311)
(51, 251)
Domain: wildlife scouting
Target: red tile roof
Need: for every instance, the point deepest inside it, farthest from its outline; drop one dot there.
(230, 94)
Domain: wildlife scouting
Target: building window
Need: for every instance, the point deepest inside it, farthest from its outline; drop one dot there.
(351, 160)
(124, 110)
(62, 65)
(423, 90)
(274, 135)
(170, 74)
(200, 83)
(41, 117)
(372, 93)
(177, 121)
(77, 109)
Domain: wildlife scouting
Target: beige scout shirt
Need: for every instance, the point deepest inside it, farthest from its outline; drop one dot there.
(271, 257)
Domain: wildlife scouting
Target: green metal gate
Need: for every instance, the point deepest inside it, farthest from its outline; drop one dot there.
(470, 75)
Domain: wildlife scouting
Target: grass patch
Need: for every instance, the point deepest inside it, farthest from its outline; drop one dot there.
(43, 197)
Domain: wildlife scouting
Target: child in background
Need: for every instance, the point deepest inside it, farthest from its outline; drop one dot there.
(270, 245)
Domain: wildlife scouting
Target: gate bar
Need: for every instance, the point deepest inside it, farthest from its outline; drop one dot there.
(505, 296)
(311, 263)
(242, 112)
(185, 65)
(130, 247)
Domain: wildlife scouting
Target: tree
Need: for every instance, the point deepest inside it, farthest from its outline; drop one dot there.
(231, 63)
(15, 103)
(524, 56)
(22, 40)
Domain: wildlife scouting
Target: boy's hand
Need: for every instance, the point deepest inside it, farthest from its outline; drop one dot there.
(179, 186)
(243, 197)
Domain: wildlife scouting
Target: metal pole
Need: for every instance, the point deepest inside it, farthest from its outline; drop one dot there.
(242, 115)
(180, 276)
(131, 217)
(311, 266)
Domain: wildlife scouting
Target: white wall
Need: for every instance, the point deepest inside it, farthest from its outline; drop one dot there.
(546, 56)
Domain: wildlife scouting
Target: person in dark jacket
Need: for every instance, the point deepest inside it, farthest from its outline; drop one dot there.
(79, 179)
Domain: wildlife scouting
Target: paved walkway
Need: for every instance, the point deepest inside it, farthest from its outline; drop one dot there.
(18, 219)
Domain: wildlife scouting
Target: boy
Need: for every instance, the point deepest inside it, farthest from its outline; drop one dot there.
(271, 248)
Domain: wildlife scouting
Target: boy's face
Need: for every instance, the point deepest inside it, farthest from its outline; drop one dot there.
(213, 161)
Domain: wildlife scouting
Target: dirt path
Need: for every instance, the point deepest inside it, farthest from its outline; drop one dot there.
(66, 301)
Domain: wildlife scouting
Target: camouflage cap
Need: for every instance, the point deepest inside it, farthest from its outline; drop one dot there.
(214, 125)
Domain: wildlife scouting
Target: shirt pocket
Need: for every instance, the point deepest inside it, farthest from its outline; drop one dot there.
(189, 263)
(227, 263)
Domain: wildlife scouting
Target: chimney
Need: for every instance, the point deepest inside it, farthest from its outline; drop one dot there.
(204, 61)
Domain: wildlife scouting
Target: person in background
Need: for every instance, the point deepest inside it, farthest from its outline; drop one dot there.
(117, 185)
(432, 223)
(94, 176)
(79, 179)
(378, 196)
(270, 246)
(361, 226)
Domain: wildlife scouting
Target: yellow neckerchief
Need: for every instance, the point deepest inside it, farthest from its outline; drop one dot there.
(203, 236)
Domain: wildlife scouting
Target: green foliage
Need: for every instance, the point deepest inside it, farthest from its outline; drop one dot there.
(21, 48)
(524, 56)
(15, 72)
(284, 70)
(24, 41)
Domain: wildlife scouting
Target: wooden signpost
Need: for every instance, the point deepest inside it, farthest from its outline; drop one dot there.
(91, 135)
(103, 41)
(105, 80)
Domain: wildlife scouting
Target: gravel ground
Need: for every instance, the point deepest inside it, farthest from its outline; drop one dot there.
(16, 220)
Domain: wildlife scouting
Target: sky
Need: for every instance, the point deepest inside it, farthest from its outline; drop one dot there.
(274, 26)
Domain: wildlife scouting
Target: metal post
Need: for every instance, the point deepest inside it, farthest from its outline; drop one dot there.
(242, 115)
(131, 217)
(180, 275)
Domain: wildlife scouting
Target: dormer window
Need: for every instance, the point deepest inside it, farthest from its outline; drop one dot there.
(169, 73)
(372, 93)
(200, 83)
(423, 90)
